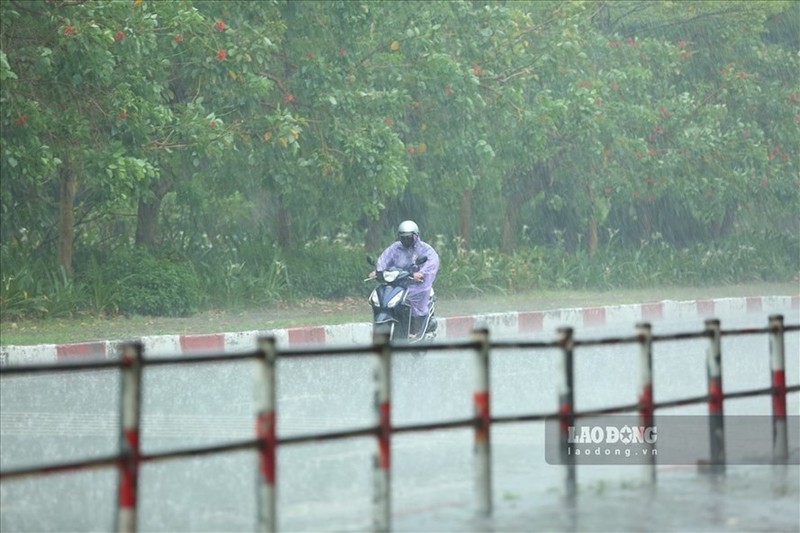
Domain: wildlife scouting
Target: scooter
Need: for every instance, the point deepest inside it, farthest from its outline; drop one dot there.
(390, 312)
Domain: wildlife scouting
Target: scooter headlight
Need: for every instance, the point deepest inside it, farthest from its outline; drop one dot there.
(373, 299)
(394, 300)
(390, 275)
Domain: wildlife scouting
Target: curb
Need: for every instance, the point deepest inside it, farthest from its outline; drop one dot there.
(509, 323)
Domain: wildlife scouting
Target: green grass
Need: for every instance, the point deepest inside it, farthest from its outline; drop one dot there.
(309, 313)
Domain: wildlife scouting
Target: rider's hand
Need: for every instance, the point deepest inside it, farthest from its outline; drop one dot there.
(418, 277)
(372, 275)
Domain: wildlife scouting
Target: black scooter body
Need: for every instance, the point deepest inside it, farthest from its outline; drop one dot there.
(391, 313)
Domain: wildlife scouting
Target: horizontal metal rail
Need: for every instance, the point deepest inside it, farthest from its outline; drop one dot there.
(111, 364)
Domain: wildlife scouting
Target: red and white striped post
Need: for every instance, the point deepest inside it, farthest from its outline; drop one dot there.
(566, 407)
(780, 436)
(265, 432)
(130, 406)
(716, 421)
(483, 421)
(646, 408)
(383, 412)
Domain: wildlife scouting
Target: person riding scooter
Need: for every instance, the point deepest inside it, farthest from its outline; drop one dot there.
(403, 252)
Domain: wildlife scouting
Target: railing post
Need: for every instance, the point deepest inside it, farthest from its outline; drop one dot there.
(130, 405)
(566, 407)
(646, 409)
(383, 412)
(780, 437)
(265, 432)
(716, 421)
(483, 421)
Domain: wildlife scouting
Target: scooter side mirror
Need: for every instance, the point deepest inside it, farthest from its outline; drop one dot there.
(421, 260)
(371, 260)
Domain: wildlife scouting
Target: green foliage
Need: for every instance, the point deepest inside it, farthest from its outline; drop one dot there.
(240, 271)
(32, 289)
(653, 263)
(327, 270)
(145, 284)
(546, 142)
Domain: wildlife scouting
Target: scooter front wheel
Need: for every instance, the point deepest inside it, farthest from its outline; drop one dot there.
(385, 328)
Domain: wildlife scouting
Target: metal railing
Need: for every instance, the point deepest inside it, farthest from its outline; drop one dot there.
(266, 441)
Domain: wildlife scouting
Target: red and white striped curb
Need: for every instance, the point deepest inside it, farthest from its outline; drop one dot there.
(509, 323)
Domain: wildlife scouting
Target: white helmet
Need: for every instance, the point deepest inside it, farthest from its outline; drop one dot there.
(408, 232)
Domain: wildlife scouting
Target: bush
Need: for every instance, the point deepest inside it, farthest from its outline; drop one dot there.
(325, 270)
(240, 271)
(35, 287)
(145, 284)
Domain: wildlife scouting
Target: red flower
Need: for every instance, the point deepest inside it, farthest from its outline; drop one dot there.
(212, 124)
(70, 30)
(179, 38)
(22, 119)
(288, 98)
(220, 25)
(411, 150)
(222, 54)
(119, 36)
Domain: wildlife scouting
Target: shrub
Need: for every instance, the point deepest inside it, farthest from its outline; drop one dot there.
(327, 270)
(33, 287)
(146, 284)
(241, 271)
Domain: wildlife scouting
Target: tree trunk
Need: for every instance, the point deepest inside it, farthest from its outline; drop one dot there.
(592, 240)
(511, 224)
(284, 225)
(466, 217)
(521, 188)
(373, 238)
(66, 215)
(593, 245)
(148, 215)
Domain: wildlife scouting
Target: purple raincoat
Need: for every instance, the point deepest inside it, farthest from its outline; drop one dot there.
(398, 256)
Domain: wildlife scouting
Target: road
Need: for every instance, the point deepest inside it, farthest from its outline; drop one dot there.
(328, 486)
